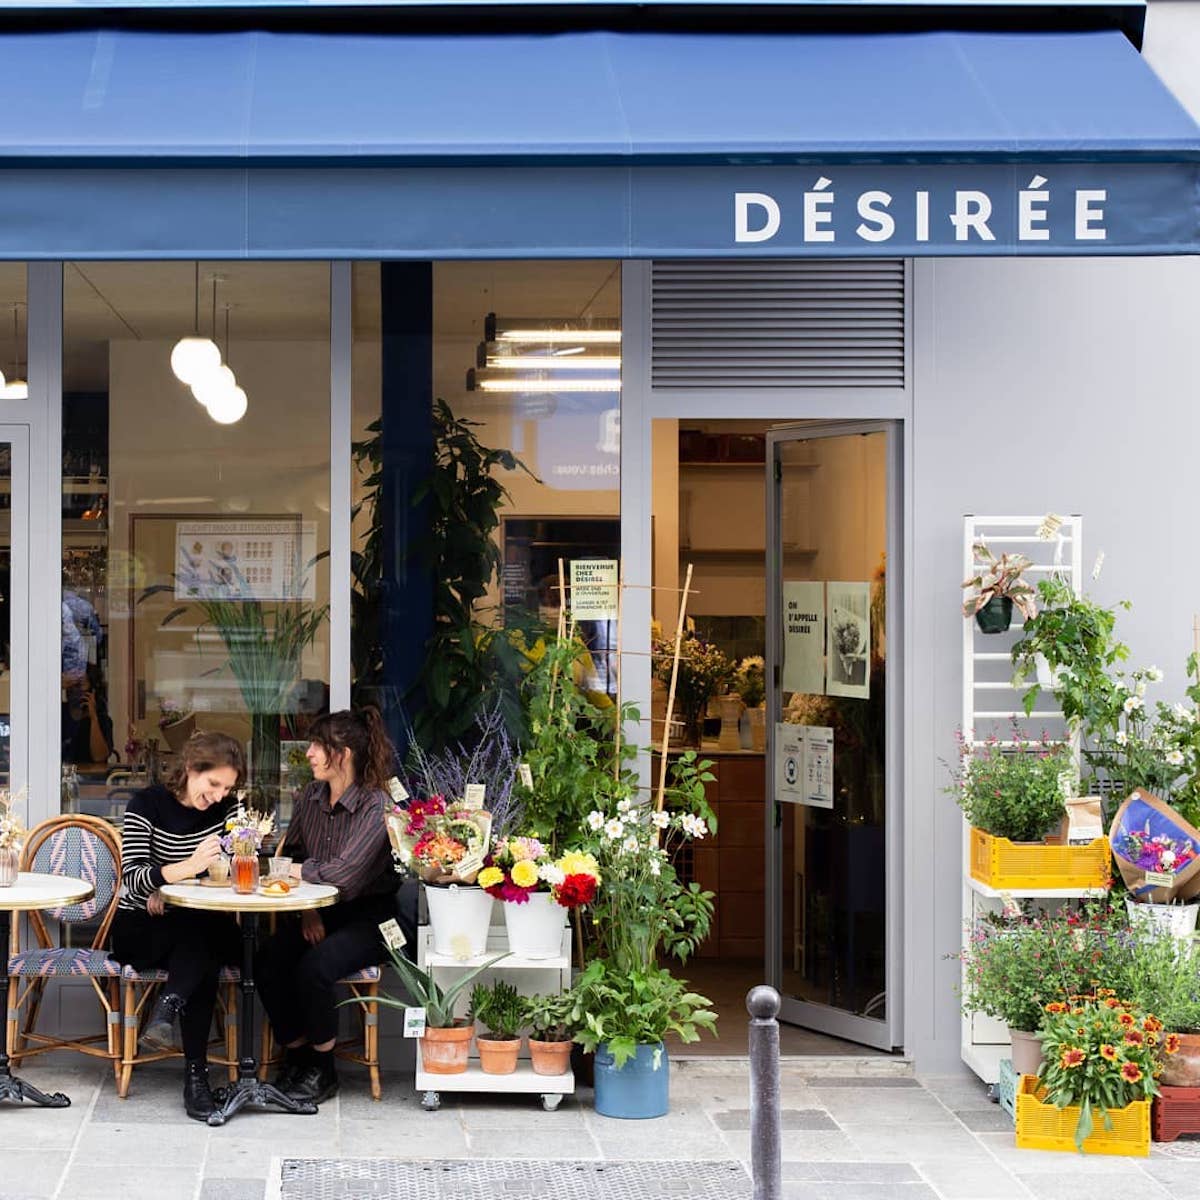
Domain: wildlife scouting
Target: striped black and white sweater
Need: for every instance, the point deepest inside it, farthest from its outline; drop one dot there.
(158, 830)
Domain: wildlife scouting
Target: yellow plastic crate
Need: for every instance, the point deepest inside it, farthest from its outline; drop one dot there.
(1009, 866)
(1041, 1126)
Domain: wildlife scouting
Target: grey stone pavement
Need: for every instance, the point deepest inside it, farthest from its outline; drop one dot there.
(851, 1129)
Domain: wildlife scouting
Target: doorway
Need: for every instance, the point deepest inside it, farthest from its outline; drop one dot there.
(14, 610)
(714, 489)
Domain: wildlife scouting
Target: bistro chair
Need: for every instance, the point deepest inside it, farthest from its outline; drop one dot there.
(139, 988)
(87, 848)
(363, 1048)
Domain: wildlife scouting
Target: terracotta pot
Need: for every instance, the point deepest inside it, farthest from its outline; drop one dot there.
(444, 1051)
(498, 1056)
(1182, 1069)
(1026, 1052)
(550, 1058)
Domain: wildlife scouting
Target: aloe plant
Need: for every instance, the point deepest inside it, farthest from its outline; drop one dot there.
(425, 991)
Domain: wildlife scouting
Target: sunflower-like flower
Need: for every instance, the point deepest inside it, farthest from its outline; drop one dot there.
(1072, 1056)
(1131, 1072)
(1107, 1051)
(1171, 1043)
(1055, 1007)
(1134, 1038)
(1127, 1019)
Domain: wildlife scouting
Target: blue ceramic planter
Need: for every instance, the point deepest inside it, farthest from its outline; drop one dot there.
(640, 1089)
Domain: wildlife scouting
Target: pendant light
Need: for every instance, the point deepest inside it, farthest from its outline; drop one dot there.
(226, 403)
(193, 356)
(17, 388)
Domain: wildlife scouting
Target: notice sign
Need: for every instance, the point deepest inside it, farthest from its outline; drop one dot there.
(804, 765)
(594, 589)
(804, 638)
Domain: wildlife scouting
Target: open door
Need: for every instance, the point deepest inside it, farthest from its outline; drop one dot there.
(834, 734)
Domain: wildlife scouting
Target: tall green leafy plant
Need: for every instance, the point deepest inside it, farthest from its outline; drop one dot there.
(366, 564)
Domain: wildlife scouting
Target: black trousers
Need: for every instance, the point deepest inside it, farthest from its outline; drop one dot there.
(296, 981)
(192, 947)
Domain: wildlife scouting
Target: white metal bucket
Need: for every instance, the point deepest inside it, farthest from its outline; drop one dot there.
(1179, 920)
(535, 927)
(459, 917)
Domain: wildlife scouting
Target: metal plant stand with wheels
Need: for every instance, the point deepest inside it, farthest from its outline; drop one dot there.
(249, 1089)
(32, 891)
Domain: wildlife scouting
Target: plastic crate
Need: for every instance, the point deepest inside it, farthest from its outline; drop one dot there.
(1010, 866)
(1176, 1110)
(1042, 1126)
(1006, 1088)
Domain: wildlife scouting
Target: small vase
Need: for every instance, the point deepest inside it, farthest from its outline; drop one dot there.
(245, 873)
(10, 858)
(758, 728)
(731, 709)
(996, 615)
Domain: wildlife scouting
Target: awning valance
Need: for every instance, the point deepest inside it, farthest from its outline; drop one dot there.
(179, 144)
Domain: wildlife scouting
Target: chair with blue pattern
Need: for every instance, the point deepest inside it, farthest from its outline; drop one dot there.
(86, 848)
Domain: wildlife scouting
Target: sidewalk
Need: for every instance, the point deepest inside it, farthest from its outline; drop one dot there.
(846, 1136)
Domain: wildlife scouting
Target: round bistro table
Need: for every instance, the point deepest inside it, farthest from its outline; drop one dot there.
(248, 1089)
(32, 890)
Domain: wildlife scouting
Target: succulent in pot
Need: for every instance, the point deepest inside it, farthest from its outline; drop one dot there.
(500, 1008)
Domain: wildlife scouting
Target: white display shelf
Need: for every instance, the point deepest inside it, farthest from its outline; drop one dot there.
(512, 962)
(984, 1059)
(522, 1082)
(983, 889)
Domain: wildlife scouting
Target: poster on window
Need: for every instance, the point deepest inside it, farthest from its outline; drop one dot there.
(804, 638)
(244, 560)
(594, 589)
(848, 639)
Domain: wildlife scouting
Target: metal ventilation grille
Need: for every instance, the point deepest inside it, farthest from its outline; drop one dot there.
(778, 323)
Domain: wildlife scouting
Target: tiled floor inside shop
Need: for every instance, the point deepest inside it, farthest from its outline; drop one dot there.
(851, 1129)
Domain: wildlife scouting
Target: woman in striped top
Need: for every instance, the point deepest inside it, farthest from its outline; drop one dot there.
(170, 834)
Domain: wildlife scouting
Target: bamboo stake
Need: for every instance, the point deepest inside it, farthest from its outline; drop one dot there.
(617, 662)
(662, 775)
(559, 631)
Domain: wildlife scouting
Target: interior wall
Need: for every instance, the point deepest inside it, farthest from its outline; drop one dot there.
(1041, 385)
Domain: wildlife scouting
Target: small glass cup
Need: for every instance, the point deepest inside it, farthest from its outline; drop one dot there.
(218, 870)
(280, 867)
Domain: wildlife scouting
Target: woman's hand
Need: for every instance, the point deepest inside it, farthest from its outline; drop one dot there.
(155, 904)
(205, 855)
(312, 927)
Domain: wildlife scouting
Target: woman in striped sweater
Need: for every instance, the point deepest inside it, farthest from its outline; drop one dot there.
(172, 833)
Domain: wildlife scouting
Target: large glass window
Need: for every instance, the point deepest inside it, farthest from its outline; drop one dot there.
(195, 518)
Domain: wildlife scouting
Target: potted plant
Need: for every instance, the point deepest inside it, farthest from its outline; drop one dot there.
(998, 587)
(500, 1008)
(553, 1022)
(446, 1042)
(537, 891)
(1100, 1054)
(704, 672)
(627, 1017)
(175, 725)
(750, 681)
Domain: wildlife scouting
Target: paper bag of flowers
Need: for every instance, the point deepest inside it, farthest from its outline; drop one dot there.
(1156, 850)
(439, 842)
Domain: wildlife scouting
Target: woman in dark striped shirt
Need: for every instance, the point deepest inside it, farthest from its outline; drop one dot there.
(338, 837)
(170, 834)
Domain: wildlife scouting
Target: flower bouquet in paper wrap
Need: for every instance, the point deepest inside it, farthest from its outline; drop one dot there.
(439, 842)
(1156, 850)
(520, 866)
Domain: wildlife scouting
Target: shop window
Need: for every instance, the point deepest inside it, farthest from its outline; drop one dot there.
(195, 509)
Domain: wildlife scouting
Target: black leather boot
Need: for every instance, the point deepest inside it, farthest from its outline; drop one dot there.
(159, 1033)
(197, 1095)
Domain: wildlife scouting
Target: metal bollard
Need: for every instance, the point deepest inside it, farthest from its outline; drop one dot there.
(762, 1003)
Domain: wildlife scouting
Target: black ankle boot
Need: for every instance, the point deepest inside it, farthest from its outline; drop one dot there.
(197, 1095)
(159, 1033)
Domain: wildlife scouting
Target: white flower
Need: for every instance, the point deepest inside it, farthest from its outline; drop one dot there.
(1122, 737)
(624, 805)
(1175, 758)
(1140, 690)
(1167, 858)
(655, 867)
(693, 826)
(1133, 703)
(614, 829)
(1154, 675)
(630, 843)
(549, 873)
(660, 819)
(595, 820)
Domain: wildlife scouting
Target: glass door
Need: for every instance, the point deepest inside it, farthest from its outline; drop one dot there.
(833, 710)
(14, 608)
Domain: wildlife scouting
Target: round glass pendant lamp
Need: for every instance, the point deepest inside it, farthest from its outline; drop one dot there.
(228, 406)
(193, 357)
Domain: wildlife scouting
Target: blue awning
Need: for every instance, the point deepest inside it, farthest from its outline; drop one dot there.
(169, 143)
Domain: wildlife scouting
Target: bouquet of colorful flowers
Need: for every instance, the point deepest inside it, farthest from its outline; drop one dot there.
(12, 830)
(519, 866)
(1100, 1053)
(1156, 850)
(439, 841)
(245, 830)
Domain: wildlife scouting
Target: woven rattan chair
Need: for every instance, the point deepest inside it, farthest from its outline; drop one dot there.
(87, 848)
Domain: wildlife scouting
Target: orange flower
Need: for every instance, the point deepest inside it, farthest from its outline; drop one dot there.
(1133, 1038)
(1107, 1051)
(1077, 1012)
(1056, 1006)
(1072, 1057)
(1112, 1002)
(1126, 1019)
(1081, 1032)
(1152, 1024)
(1171, 1044)
(1152, 1039)
(1131, 1072)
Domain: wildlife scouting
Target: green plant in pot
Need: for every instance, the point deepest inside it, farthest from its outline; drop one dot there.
(553, 1022)
(447, 1039)
(1014, 791)
(500, 1009)
(997, 588)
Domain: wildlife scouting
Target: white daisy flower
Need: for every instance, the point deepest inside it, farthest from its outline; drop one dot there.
(1154, 675)
(655, 867)
(614, 829)
(630, 844)
(1122, 737)
(1175, 758)
(624, 805)
(1133, 703)
(660, 819)
(549, 873)
(595, 820)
